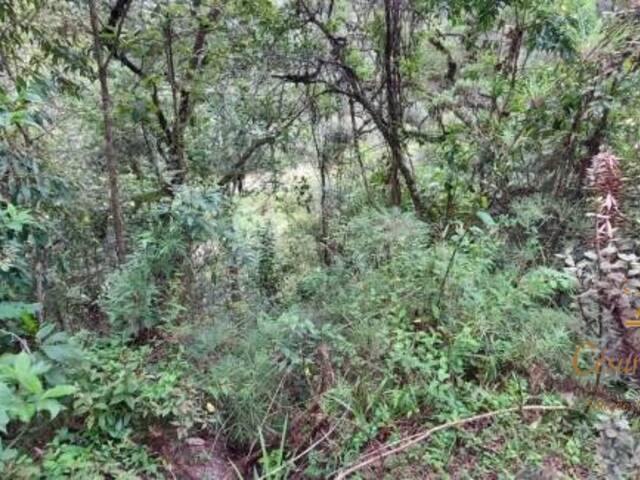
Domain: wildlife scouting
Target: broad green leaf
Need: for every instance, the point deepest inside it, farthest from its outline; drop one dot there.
(22, 362)
(7, 454)
(486, 218)
(44, 332)
(59, 391)
(29, 323)
(60, 352)
(13, 310)
(52, 406)
(58, 337)
(4, 420)
(25, 411)
(6, 396)
(24, 374)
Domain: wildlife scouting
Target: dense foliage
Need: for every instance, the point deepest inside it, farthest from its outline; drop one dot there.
(319, 239)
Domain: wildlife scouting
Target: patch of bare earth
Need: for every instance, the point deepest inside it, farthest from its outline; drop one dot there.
(193, 458)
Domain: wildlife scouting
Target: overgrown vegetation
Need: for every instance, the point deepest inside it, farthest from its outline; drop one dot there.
(319, 239)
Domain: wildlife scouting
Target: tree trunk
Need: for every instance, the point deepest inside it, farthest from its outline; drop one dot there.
(324, 211)
(322, 154)
(393, 81)
(394, 104)
(114, 194)
(39, 270)
(178, 163)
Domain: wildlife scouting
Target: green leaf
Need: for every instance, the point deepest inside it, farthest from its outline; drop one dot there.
(29, 323)
(60, 352)
(25, 411)
(30, 382)
(52, 406)
(22, 362)
(24, 374)
(59, 391)
(58, 337)
(14, 310)
(4, 420)
(486, 218)
(6, 396)
(44, 332)
(7, 454)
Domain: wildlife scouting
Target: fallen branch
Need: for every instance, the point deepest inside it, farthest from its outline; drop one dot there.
(407, 442)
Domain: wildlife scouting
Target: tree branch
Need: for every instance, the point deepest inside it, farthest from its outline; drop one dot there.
(239, 166)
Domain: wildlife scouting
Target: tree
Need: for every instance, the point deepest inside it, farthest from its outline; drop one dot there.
(334, 68)
(112, 164)
(180, 83)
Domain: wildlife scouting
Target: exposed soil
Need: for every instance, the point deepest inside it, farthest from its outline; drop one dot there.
(194, 458)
